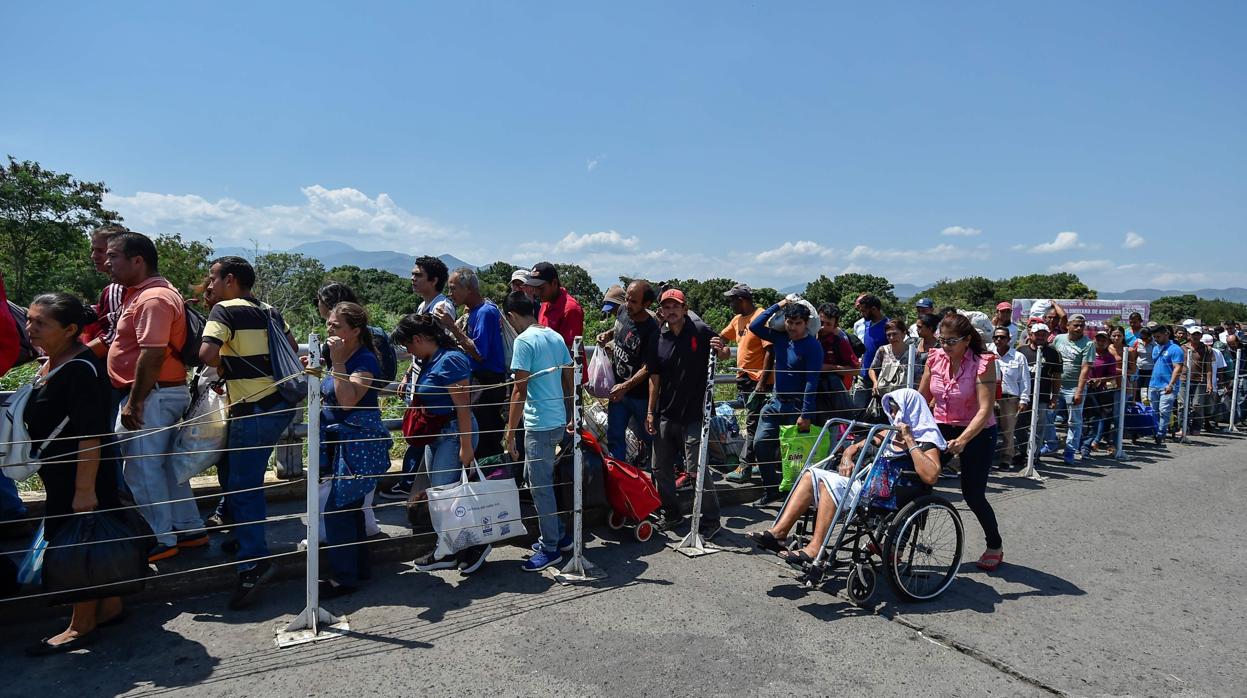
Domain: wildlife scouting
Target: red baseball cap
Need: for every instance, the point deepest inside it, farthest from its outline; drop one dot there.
(1004, 305)
(673, 294)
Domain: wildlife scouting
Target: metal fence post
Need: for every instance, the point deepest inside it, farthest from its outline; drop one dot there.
(578, 569)
(912, 361)
(1238, 360)
(1036, 439)
(313, 623)
(1186, 397)
(1121, 406)
(693, 544)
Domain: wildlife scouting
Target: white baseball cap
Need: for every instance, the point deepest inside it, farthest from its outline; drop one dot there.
(1207, 339)
(1040, 327)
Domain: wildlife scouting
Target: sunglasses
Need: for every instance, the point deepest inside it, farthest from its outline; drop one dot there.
(950, 342)
(1001, 338)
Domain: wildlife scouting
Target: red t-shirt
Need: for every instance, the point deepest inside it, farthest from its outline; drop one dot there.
(565, 316)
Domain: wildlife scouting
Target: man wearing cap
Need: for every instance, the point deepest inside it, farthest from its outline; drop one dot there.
(1015, 390)
(924, 306)
(750, 366)
(1218, 365)
(1004, 318)
(611, 303)
(519, 281)
(1168, 363)
(559, 311)
(1077, 356)
(1142, 346)
(1035, 348)
(1201, 379)
(679, 371)
(634, 331)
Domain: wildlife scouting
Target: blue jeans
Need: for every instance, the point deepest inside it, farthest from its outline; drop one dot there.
(1162, 405)
(165, 503)
(618, 415)
(257, 433)
(11, 506)
(1073, 423)
(539, 466)
(776, 413)
(344, 527)
(441, 458)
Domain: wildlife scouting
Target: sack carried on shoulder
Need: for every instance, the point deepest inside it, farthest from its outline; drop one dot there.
(475, 513)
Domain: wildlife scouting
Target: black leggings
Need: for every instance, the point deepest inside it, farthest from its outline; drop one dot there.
(976, 463)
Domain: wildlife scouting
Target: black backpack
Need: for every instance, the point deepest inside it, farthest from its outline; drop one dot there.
(27, 352)
(856, 343)
(386, 354)
(194, 336)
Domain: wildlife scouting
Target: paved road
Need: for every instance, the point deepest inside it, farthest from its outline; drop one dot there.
(1121, 579)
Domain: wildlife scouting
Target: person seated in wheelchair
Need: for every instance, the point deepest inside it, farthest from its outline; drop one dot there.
(915, 448)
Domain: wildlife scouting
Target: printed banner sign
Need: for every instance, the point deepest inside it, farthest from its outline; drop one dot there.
(1098, 312)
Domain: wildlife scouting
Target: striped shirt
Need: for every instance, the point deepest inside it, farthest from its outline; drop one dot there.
(108, 309)
(240, 327)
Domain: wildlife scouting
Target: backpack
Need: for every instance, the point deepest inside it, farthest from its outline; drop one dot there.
(856, 343)
(386, 354)
(27, 353)
(195, 322)
(285, 363)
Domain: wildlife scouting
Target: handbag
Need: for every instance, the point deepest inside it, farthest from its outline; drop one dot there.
(205, 429)
(472, 513)
(421, 427)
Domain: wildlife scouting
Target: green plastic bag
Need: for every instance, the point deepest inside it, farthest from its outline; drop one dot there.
(794, 448)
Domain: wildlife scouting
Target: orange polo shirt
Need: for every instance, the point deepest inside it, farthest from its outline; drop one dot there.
(152, 315)
(750, 348)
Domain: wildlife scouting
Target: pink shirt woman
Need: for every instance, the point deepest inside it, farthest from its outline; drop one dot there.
(955, 399)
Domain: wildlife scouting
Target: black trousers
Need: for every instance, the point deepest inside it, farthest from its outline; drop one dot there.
(976, 464)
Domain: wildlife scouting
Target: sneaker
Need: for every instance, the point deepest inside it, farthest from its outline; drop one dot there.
(1046, 451)
(1085, 453)
(470, 560)
(161, 552)
(1069, 456)
(566, 545)
(1158, 440)
(541, 560)
(767, 499)
(217, 522)
(663, 522)
(249, 582)
(430, 562)
(400, 490)
(740, 474)
(193, 540)
(684, 481)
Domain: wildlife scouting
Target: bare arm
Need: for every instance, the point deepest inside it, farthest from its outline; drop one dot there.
(459, 394)
(84, 481)
(515, 411)
(146, 372)
(350, 391)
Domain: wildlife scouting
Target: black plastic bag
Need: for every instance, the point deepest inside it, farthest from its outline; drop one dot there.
(93, 556)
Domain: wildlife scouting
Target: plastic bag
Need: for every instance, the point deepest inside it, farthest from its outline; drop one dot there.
(31, 569)
(199, 441)
(601, 373)
(811, 329)
(467, 514)
(95, 555)
(794, 450)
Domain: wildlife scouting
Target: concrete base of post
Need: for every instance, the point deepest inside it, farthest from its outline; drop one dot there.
(577, 571)
(312, 627)
(693, 545)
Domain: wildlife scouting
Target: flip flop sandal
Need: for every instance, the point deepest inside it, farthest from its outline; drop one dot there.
(990, 561)
(799, 559)
(766, 540)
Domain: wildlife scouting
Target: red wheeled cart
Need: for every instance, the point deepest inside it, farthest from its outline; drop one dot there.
(629, 490)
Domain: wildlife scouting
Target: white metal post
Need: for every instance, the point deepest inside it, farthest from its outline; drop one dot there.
(693, 544)
(912, 361)
(1036, 439)
(1121, 406)
(1238, 361)
(578, 569)
(313, 623)
(1186, 396)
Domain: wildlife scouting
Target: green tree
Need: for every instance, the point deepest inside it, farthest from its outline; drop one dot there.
(44, 220)
(386, 290)
(288, 281)
(1059, 285)
(970, 293)
(821, 290)
(1173, 309)
(578, 283)
(184, 263)
(496, 280)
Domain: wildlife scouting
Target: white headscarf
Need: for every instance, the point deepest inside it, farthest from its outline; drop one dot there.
(914, 412)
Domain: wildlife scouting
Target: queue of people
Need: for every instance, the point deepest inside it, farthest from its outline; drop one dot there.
(497, 382)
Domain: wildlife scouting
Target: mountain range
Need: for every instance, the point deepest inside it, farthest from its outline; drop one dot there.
(333, 253)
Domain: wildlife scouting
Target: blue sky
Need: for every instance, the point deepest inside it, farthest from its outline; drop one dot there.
(770, 142)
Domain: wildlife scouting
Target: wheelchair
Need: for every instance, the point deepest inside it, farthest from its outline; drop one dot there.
(915, 542)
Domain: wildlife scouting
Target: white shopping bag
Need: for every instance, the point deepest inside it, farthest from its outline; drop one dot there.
(601, 373)
(200, 440)
(371, 528)
(474, 513)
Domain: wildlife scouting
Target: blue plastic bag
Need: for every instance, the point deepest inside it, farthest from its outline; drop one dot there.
(31, 569)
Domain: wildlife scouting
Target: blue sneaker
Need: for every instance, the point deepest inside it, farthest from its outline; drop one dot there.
(541, 560)
(1046, 451)
(566, 545)
(1069, 456)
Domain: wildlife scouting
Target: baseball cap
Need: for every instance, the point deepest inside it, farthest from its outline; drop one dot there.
(613, 299)
(673, 294)
(1078, 316)
(1101, 333)
(924, 303)
(543, 272)
(1195, 329)
(739, 291)
(1152, 325)
(1004, 305)
(520, 275)
(1040, 327)
(1207, 339)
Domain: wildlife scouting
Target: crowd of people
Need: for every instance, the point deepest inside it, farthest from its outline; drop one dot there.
(496, 382)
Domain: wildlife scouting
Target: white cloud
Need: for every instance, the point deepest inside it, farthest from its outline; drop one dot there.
(347, 214)
(790, 250)
(1082, 265)
(961, 231)
(1187, 280)
(1133, 241)
(1062, 242)
(592, 163)
(603, 240)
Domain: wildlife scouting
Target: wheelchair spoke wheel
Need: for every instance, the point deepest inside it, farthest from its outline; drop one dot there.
(922, 550)
(859, 591)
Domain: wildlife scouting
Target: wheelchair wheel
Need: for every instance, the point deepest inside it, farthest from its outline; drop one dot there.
(616, 521)
(643, 531)
(922, 550)
(860, 592)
